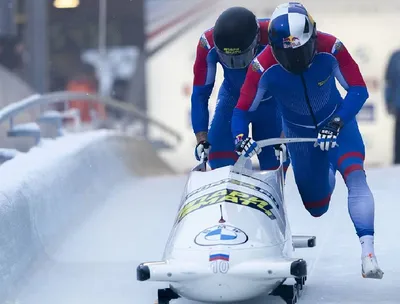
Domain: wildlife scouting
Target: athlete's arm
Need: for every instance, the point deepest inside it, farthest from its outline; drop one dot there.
(204, 70)
(251, 94)
(348, 74)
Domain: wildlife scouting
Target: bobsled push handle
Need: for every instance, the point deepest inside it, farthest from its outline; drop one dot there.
(202, 166)
(278, 141)
(272, 142)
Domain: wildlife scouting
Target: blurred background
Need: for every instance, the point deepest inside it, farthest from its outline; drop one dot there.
(141, 52)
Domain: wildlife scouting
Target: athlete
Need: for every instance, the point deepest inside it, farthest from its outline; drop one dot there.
(299, 68)
(237, 37)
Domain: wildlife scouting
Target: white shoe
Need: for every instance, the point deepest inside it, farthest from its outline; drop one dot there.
(370, 268)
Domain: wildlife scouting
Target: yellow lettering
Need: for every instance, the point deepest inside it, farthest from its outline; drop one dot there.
(259, 200)
(258, 203)
(230, 198)
(212, 201)
(219, 193)
(232, 51)
(200, 202)
(189, 207)
(235, 193)
(245, 202)
(227, 195)
(266, 211)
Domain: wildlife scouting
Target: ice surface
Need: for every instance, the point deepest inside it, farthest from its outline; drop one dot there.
(97, 262)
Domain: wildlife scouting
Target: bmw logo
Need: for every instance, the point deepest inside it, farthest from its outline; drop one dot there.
(221, 235)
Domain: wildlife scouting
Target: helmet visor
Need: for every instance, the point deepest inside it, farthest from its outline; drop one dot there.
(234, 58)
(295, 60)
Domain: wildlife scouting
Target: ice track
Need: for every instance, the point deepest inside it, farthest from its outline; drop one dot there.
(96, 263)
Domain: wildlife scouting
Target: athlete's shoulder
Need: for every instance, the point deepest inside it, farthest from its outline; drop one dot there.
(264, 24)
(264, 61)
(328, 43)
(206, 39)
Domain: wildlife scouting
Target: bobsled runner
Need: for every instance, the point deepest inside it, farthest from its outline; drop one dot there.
(231, 240)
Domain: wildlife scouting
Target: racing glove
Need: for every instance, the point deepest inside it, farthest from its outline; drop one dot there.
(247, 147)
(278, 148)
(327, 136)
(202, 146)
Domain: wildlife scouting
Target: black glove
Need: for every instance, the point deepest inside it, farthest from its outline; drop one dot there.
(278, 148)
(203, 146)
(327, 136)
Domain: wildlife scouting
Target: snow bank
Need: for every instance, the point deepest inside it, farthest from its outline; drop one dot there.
(45, 192)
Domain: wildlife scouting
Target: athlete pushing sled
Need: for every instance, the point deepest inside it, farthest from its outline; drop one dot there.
(237, 37)
(299, 68)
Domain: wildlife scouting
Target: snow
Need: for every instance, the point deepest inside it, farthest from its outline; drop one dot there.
(51, 187)
(46, 155)
(97, 262)
(52, 114)
(26, 127)
(8, 153)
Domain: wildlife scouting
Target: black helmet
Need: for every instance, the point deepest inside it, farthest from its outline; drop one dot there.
(236, 37)
(292, 35)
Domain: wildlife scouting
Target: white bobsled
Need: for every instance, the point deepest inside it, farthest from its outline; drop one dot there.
(231, 240)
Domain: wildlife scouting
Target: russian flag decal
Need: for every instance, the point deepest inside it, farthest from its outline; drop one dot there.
(219, 256)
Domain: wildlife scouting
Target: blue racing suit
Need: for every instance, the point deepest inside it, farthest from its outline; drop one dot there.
(266, 121)
(307, 103)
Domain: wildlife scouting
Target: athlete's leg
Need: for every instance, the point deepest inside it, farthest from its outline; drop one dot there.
(222, 152)
(267, 123)
(312, 171)
(349, 160)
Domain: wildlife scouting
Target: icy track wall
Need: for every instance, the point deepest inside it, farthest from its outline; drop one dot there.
(46, 192)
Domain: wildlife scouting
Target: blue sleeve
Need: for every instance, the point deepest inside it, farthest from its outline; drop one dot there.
(251, 95)
(352, 103)
(349, 76)
(204, 69)
(240, 123)
(199, 112)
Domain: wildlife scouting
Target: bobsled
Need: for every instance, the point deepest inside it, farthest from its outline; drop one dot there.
(231, 239)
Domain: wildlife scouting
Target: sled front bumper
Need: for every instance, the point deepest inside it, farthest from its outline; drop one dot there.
(164, 272)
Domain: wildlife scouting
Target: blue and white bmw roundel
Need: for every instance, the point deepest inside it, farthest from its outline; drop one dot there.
(221, 235)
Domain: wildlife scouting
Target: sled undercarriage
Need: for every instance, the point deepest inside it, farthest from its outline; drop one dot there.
(289, 293)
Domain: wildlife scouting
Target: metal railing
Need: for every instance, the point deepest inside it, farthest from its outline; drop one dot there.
(40, 100)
